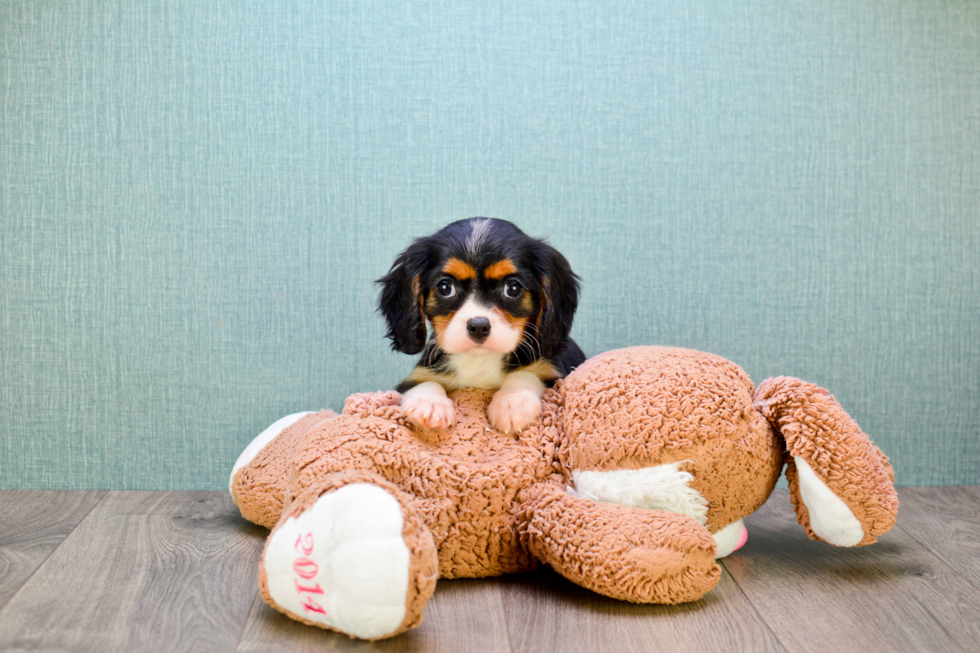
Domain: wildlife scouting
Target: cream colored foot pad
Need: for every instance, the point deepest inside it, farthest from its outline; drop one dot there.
(343, 562)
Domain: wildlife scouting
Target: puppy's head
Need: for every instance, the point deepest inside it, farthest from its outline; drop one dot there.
(485, 286)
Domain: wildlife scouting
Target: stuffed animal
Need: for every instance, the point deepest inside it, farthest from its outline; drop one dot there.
(635, 479)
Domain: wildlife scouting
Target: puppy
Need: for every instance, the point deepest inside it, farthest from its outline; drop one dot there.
(501, 306)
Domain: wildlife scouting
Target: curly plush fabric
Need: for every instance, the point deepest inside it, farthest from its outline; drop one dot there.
(642, 556)
(477, 502)
(260, 486)
(464, 480)
(423, 561)
(644, 406)
(816, 428)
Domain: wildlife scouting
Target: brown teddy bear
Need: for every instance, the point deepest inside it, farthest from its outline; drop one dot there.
(635, 479)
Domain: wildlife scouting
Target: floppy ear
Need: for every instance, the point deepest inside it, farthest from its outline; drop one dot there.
(401, 299)
(558, 298)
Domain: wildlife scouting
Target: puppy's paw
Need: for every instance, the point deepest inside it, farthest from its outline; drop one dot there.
(429, 410)
(511, 411)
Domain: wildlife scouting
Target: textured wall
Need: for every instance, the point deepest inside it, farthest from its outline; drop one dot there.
(195, 197)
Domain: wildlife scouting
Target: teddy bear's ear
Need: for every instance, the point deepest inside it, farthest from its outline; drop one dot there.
(841, 484)
(402, 297)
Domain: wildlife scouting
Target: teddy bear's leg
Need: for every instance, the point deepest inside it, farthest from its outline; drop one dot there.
(261, 473)
(633, 554)
(351, 554)
(842, 486)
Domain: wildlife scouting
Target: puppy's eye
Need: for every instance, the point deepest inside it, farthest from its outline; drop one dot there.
(513, 289)
(446, 288)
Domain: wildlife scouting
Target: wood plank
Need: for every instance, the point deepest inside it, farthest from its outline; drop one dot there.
(32, 525)
(463, 615)
(176, 571)
(160, 571)
(946, 521)
(894, 595)
(545, 612)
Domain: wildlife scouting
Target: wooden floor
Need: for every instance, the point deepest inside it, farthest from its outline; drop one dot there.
(176, 571)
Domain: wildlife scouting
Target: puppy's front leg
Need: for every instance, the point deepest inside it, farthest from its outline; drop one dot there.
(427, 405)
(517, 403)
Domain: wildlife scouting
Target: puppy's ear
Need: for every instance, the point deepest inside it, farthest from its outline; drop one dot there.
(401, 299)
(558, 299)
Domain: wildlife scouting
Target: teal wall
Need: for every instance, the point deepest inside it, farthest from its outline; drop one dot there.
(196, 196)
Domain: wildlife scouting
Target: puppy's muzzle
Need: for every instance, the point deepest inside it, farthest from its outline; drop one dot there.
(478, 329)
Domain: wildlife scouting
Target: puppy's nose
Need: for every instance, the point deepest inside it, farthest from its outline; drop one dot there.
(478, 328)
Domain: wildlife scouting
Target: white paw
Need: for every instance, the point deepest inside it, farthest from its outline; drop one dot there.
(511, 411)
(343, 562)
(429, 410)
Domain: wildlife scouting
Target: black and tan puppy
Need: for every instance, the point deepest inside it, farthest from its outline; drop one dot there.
(501, 306)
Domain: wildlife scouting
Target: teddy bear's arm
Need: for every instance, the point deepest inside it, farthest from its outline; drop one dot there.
(637, 555)
(842, 486)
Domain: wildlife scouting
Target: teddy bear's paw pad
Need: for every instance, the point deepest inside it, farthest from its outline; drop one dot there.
(730, 539)
(511, 411)
(830, 518)
(343, 563)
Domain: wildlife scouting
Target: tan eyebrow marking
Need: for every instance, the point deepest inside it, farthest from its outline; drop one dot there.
(459, 269)
(500, 269)
(440, 322)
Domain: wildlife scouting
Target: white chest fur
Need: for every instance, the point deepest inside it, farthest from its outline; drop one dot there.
(477, 370)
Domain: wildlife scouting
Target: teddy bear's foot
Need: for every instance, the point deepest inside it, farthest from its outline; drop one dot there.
(730, 539)
(261, 473)
(261, 440)
(350, 555)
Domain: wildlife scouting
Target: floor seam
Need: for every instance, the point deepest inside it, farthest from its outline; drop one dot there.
(748, 599)
(251, 609)
(503, 611)
(956, 572)
(27, 580)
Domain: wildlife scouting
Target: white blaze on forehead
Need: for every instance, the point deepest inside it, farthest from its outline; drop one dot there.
(479, 230)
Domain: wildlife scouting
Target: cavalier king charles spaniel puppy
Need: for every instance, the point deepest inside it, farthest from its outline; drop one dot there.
(501, 306)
